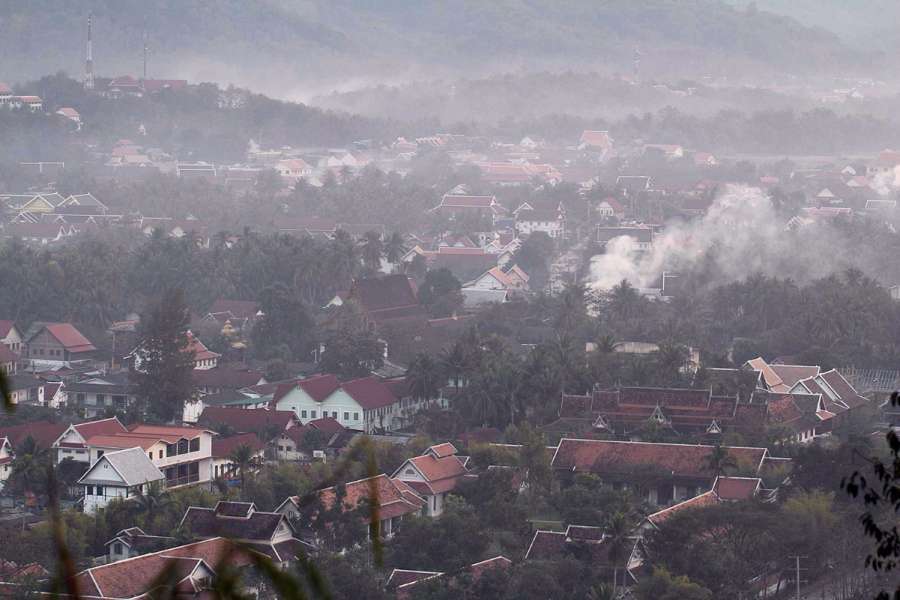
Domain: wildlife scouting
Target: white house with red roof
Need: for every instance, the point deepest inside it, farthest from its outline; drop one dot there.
(366, 404)
(6, 94)
(72, 443)
(433, 475)
(460, 205)
(183, 454)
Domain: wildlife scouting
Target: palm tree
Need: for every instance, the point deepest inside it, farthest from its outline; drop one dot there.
(720, 461)
(394, 248)
(425, 376)
(617, 531)
(29, 467)
(244, 459)
(151, 501)
(372, 250)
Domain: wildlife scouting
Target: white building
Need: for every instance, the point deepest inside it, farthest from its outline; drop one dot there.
(120, 474)
(433, 475)
(366, 404)
(183, 454)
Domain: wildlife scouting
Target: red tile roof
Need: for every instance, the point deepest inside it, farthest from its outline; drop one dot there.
(248, 420)
(706, 499)
(443, 450)
(326, 425)
(201, 352)
(736, 488)
(317, 387)
(369, 392)
(137, 576)
(100, 427)
(43, 433)
(394, 499)
(441, 474)
(69, 337)
(223, 447)
(603, 456)
(791, 374)
(546, 545)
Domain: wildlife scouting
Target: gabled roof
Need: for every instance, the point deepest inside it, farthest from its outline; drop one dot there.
(706, 499)
(369, 392)
(317, 387)
(109, 426)
(224, 447)
(6, 326)
(137, 576)
(442, 450)
(736, 488)
(131, 464)
(440, 474)
(42, 432)
(392, 497)
(383, 293)
(66, 334)
(248, 420)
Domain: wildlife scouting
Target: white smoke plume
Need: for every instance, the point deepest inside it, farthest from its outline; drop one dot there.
(740, 235)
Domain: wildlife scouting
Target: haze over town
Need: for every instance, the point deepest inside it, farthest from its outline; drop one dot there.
(417, 301)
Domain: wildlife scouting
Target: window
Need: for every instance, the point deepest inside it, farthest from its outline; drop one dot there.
(89, 491)
(195, 445)
(312, 414)
(171, 449)
(183, 446)
(334, 414)
(118, 548)
(346, 416)
(79, 398)
(356, 416)
(150, 455)
(160, 454)
(302, 414)
(99, 490)
(101, 399)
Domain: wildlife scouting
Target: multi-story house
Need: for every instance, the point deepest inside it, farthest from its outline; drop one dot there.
(183, 454)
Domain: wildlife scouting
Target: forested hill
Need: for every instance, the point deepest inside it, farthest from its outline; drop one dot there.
(867, 24)
(281, 45)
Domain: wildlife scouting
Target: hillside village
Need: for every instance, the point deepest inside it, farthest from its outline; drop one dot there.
(395, 358)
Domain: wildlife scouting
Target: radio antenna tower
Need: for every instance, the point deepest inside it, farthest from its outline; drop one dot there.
(89, 57)
(146, 50)
(636, 65)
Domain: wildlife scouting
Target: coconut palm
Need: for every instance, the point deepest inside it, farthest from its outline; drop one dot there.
(617, 533)
(151, 501)
(425, 376)
(244, 459)
(394, 248)
(720, 461)
(372, 250)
